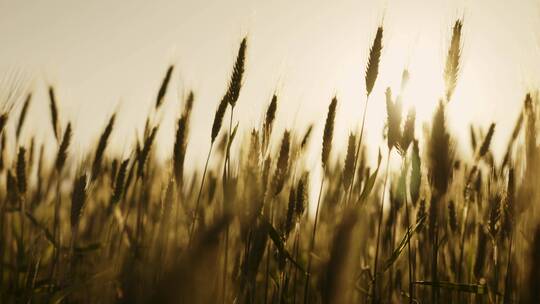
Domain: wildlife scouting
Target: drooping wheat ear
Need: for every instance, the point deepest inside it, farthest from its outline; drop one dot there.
(54, 113)
(63, 149)
(163, 89)
(102, 145)
(372, 69)
(282, 168)
(22, 116)
(451, 69)
(145, 152)
(78, 199)
(452, 216)
(407, 136)
(119, 184)
(306, 137)
(440, 152)
(238, 71)
(393, 110)
(487, 141)
(21, 171)
(328, 133)
(269, 121)
(218, 119)
(416, 175)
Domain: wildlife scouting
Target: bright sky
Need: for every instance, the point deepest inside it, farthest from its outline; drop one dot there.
(104, 56)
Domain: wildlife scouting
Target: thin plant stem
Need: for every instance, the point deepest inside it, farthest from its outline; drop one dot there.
(374, 298)
(312, 243)
(197, 204)
(356, 154)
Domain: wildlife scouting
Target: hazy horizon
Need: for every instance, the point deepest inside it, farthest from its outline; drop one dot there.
(103, 57)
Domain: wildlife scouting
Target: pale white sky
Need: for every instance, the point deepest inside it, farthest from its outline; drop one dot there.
(104, 56)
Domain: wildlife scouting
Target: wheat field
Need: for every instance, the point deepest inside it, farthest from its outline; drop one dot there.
(442, 227)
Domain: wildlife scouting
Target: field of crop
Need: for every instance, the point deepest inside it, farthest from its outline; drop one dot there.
(442, 227)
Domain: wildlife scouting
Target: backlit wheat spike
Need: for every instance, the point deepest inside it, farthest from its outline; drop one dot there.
(282, 163)
(22, 116)
(348, 169)
(78, 199)
(302, 195)
(120, 183)
(218, 119)
(393, 110)
(372, 69)
(11, 188)
(163, 88)
(269, 121)
(179, 149)
(102, 145)
(63, 149)
(236, 79)
(487, 141)
(145, 152)
(306, 137)
(440, 153)
(407, 136)
(21, 171)
(3, 121)
(328, 132)
(451, 69)
(54, 113)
